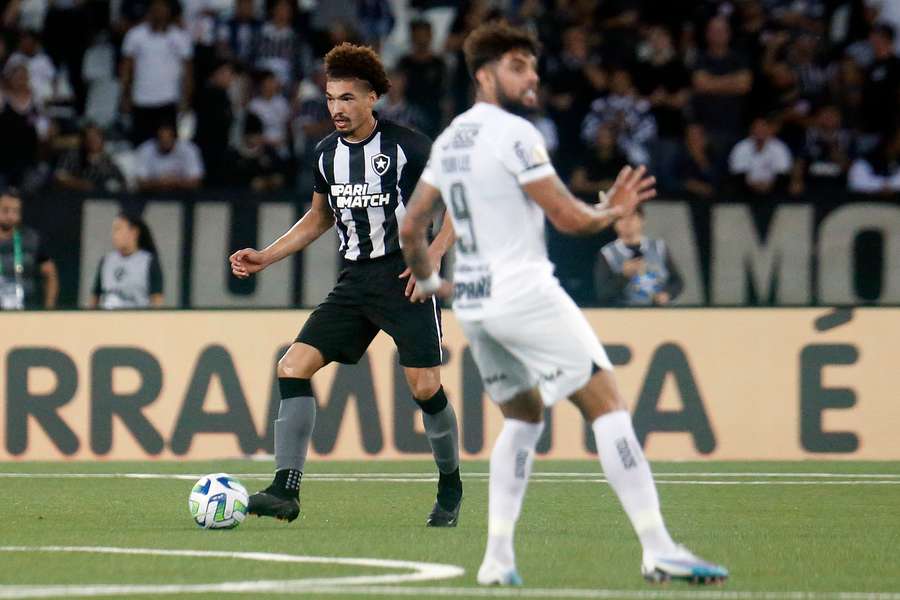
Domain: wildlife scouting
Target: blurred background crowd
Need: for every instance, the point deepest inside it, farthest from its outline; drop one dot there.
(760, 101)
(749, 97)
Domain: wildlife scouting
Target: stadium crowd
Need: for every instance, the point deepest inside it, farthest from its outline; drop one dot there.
(719, 97)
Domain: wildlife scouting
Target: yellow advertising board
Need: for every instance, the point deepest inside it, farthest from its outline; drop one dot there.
(702, 384)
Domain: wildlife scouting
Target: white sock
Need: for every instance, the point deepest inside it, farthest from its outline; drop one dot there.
(629, 475)
(511, 461)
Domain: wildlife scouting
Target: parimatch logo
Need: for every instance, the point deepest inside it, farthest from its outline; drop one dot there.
(357, 195)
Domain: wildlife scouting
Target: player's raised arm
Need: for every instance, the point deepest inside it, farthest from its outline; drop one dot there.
(420, 212)
(317, 220)
(570, 215)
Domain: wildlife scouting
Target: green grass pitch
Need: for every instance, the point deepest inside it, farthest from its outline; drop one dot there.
(814, 527)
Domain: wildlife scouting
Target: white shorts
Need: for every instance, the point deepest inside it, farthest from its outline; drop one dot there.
(547, 343)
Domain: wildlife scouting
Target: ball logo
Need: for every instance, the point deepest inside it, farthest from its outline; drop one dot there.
(381, 163)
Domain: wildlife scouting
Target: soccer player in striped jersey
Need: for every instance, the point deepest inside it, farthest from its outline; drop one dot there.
(532, 344)
(365, 172)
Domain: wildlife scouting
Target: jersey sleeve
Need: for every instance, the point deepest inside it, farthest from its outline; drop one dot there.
(156, 276)
(320, 184)
(523, 152)
(416, 147)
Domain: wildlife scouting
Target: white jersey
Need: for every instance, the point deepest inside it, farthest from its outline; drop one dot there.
(479, 164)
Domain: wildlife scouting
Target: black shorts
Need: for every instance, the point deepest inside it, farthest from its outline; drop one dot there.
(370, 297)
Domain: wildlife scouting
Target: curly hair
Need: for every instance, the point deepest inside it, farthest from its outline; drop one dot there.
(490, 41)
(348, 61)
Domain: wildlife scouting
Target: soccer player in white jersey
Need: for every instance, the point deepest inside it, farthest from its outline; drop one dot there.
(532, 344)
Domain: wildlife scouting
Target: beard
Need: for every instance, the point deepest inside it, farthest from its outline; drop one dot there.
(514, 105)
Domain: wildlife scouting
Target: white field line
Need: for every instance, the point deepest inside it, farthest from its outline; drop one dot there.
(420, 572)
(602, 594)
(362, 585)
(661, 478)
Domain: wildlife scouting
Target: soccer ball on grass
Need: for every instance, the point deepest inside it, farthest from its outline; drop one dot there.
(218, 501)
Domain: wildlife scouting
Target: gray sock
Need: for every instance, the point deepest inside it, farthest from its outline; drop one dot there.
(294, 426)
(442, 432)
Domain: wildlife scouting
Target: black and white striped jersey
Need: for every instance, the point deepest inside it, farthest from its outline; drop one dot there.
(368, 184)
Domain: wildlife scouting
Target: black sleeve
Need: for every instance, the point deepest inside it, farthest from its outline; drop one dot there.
(674, 285)
(98, 279)
(610, 285)
(156, 276)
(417, 148)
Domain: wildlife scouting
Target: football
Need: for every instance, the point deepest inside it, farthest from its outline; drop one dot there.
(218, 501)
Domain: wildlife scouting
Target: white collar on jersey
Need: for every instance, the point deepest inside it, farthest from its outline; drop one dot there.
(365, 141)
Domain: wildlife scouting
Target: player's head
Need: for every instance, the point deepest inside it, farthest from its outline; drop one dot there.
(355, 79)
(503, 62)
(630, 228)
(10, 209)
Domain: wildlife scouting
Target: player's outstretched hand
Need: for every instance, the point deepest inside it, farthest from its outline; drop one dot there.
(246, 262)
(632, 186)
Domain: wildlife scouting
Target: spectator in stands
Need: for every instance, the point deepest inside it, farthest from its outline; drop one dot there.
(279, 48)
(825, 157)
(274, 111)
(760, 162)
(627, 114)
(697, 172)
(313, 117)
(89, 168)
(426, 78)
(781, 101)
(813, 73)
(239, 35)
(23, 259)
(881, 90)
(215, 118)
(846, 90)
(156, 75)
(469, 15)
(599, 169)
(9, 14)
(721, 80)
(620, 22)
(635, 270)
(256, 164)
(394, 106)
(574, 76)
(167, 164)
(67, 36)
(130, 275)
(375, 19)
(41, 72)
(23, 125)
(665, 82)
(878, 173)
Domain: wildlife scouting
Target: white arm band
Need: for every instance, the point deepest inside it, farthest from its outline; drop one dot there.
(430, 285)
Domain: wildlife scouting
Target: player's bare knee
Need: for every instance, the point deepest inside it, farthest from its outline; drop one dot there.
(299, 362)
(423, 383)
